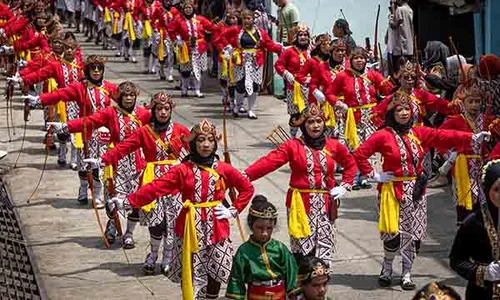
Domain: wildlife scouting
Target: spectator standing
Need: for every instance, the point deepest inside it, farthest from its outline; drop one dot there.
(402, 23)
(342, 31)
(288, 18)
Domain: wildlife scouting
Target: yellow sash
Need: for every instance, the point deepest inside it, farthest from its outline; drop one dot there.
(116, 20)
(131, 116)
(228, 68)
(298, 98)
(190, 246)
(129, 26)
(329, 114)
(351, 130)
(252, 37)
(149, 176)
(108, 170)
(298, 224)
(107, 15)
(471, 125)
(388, 221)
(461, 172)
(161, 46)
(182, 53)
(147, 32)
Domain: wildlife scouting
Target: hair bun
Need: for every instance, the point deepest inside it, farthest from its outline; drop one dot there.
(259, 199)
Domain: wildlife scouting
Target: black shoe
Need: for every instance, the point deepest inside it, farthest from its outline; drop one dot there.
(184, 95)
(365, 185)
(149, 266)
(356, 186)
(83, 201)
(281, 97)
(163, 78)
(61, 163)
(127, 58)
(384, 280)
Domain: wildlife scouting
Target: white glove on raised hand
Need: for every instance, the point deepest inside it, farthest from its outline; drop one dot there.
(338, 192)
(383, 177)
(180, 42)
(319, 96)
(289, 77)
(57, 127)
(229, 49)
(93, 162)
(222, 212)
(492, 272)
(341, 106)
(452, 156)
(34, 100)
(482, 136)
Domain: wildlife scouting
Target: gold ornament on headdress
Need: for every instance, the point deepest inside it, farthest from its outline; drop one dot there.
(319, 270)
(162, 98)
(309, 112)
(95, 60)
(268, 213)
(204, 127)
(433, 292)
(126, 88)
(408, 68)
(398, 99)
(463, 92)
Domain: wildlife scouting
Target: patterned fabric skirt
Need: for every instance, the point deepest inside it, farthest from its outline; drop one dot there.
(412, 215)
(166, 208)
(291, 107)
(197, 64)
(212, 260)
(70, 5)
(168, 54)
(475, 169)
(365, 127)
(137, 30)
(126, 178)
(96, 150)
(323, 238)
(249, 71)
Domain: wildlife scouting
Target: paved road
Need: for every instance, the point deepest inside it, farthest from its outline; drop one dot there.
(70, 254)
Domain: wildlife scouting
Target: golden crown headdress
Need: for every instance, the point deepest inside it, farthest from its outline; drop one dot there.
(318, 270)
(268, 213)
(95, 60)
(204, 127)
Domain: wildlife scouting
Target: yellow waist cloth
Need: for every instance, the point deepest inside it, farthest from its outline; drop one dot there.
(298, 224)
(116, 20)
(161, 46)
(108, 170)
(461, 173)
(182, 53)
(351, 129)
(78, 140)
(107, 15)
(149, 175)
(237, 54)
(298, 98)
(147, 31)
(129, 26)
(190, 246)
(388, 221)
(329, 114)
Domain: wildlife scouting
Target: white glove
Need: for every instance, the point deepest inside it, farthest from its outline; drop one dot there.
(482, 136)
(121, 203)
(222, 212)
(22, 63)
(100, 8)
(383, 177)
(338, 192)
(226, 54)
(341, 106)
(492, 272)
(308, 80)
(57, 127)
(93, 163)
(319, 96)
(16, 78)
(34, 100)
(180, 42)
(452, 156)
(7, 49)
(289, 77)
(229, 49)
